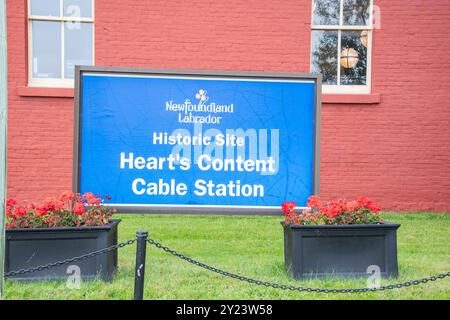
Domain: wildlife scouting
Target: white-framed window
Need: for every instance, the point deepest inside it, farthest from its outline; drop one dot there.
(60, 36)
(341, 44)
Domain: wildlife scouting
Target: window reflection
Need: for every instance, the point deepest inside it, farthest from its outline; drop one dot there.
(326, 12)
(324, 55)
(45, 8)
(77, 46)
(78, 8)
(356, 12)
(46, 49)
(353, 58)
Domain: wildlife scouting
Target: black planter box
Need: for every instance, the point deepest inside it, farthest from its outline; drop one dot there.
(27, 248)
(340, 250)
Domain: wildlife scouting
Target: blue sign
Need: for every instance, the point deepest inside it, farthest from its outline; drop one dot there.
(173, 141)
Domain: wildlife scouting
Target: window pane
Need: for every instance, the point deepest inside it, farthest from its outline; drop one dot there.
(46, 49)
(353, 58)
(326, 12)
(78, 42)
(45, 8)
(324, 55)
(78, 8)
(356, 12)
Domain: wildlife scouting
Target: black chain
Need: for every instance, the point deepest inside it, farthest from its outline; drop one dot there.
(294, 288)
(70, 260)
(225, 273)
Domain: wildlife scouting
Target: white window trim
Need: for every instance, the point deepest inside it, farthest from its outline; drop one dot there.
(346, 89)
(54, 82)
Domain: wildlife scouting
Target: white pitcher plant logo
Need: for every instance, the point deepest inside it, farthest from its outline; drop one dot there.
(201, 95)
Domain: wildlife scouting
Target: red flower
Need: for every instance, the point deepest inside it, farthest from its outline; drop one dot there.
(325, 211)
(91, 199)
(78, 208)
(20, 212)
(289, 214)
(52, 204)
(94, 201)
(352, 205)
(368, 203)
(41, 211)
(60, 211)
(66, 196)
(288, 207)
(88, 195)
(11, 202)
(335, 208)
(314, 202)
(107, 197)
(338, 211)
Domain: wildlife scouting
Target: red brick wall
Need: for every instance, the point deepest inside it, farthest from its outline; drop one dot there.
(40, 129)
(396, 151)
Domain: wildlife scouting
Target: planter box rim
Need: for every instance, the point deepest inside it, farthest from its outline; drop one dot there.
(385, 224)
(112, 222)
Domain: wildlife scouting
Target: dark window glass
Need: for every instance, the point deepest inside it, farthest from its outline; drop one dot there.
(326, 12)
(324, 55)
(353, 57)
(356, 12)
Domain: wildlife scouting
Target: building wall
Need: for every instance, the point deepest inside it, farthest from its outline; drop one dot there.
(396, 150)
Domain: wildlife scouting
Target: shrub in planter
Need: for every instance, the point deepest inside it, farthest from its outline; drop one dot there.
(57, 229)
(338, 238)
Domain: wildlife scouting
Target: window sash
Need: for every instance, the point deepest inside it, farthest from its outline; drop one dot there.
(344, 28)
(61, 19)
(355, 89)
(342, 88)
(62, 81)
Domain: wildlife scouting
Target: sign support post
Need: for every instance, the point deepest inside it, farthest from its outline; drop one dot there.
(3, 123)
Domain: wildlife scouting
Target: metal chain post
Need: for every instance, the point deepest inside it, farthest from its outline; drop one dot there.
(141, 248)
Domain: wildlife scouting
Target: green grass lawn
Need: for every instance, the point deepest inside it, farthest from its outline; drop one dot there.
(253, 247)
